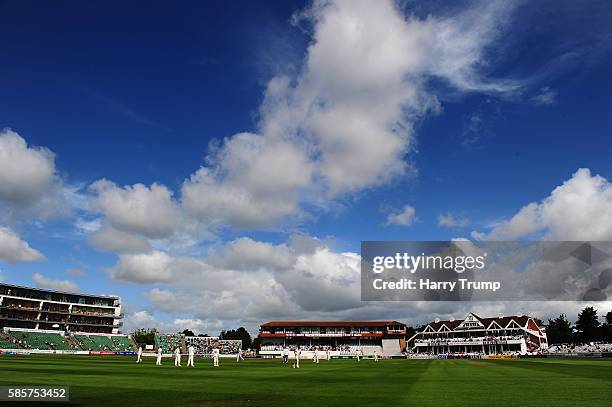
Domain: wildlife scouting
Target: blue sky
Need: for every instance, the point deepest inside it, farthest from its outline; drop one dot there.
(398, 121)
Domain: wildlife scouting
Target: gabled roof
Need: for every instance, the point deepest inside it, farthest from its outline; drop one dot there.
(494, 325)
(502, 321)
(450, 324)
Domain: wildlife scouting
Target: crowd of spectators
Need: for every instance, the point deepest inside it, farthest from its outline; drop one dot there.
(204, 345)
(169, 342)
(434, 341)
(343, 349)
(592, 347)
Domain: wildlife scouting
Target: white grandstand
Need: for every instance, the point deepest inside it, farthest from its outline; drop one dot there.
(518, 334)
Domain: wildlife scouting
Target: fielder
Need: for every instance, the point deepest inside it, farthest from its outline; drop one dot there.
(177, 356)
(215, 355)
(285, 355)
(159, 356)
(315, 358)
(191, 352)
(296, 364)
(239, 356)
(139, 355)
(327, 354)
(375, 356)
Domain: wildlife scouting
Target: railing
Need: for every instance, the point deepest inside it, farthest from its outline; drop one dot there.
(20, 308)
(467, 341)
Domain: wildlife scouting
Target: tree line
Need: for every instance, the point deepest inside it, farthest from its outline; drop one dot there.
(146, 336)
(587, 328)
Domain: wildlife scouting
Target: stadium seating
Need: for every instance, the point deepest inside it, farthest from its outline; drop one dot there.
(42, 340)
(122, 343)
(6, 342)
(204, 345)
(594, 347)
(169, 342)
(85, 343)
(115, 343)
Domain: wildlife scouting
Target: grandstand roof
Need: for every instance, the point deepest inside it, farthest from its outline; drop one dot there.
(60, 292)
(500, 320)
(330, 323)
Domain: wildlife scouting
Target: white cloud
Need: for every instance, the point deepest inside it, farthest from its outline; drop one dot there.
(405, 217)
(248, 254)
(579, 209)
(449, 220)
(344, 123)
(149, 211)
(87, 226)
(76, 272)
(14, 250)
(248, 278)
(144, 319)
(457, 53)
(194, 325)
(58, 285)
(26, 173)
(144, 268)
(546, 96)
(232, 195)
(319, 284)
(139, 319)
(113, 240)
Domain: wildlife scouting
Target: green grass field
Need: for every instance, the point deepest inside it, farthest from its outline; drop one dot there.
(115, 381)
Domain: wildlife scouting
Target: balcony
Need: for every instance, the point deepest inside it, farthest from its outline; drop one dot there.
(14, 318)
(115, 325)
(47, 311)
(12, 307)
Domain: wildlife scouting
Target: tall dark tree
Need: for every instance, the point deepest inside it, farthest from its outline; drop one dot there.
(559, 330)
(410, 331)
(144, 336)
(188, 332)
(606, 328)
(238, 334)
(587, 325)
(256, 343)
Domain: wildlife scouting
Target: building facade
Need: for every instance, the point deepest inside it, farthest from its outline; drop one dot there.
(339, 337)
(38, 309)
(474, 334)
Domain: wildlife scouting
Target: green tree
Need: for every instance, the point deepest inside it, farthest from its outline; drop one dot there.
(606, 327)
(587, 325)
(410, 332)
(144, 336)
(238, 334)
(256, 343)
(559, 330)
(188, 332)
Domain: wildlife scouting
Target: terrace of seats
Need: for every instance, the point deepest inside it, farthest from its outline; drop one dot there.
(6, 342)
(169, 342)
(41, 340)
(55, 341)
(85, 342)
(122, 343)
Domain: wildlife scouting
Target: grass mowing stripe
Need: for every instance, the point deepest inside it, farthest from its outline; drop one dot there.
(109, 381)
